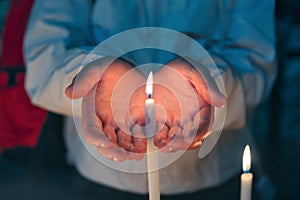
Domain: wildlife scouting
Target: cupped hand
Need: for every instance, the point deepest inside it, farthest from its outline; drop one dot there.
(110, 120)
(185, 99)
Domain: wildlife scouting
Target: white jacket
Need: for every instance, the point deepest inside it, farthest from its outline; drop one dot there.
(238, 35)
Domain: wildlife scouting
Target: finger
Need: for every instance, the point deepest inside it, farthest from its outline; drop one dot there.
(69, 89)
(113, 153)
(137, 116)
(175, 140)
(196, 143)
(189, 133)
(177, 143)
(125, 141)
(202, 120)
(187, 128)
(111, 133)
(200, 79)
(139, 139)
(87, 78)
(94, 137)
(139, 142)
(162, 116)
(91, 124)
(160, 139)
(128, 102)
(200, 128)
(172, 132)
(201, 103)
(206, 86)
(134, 155)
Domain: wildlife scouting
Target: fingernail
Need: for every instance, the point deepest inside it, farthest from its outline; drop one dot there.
(115, 159)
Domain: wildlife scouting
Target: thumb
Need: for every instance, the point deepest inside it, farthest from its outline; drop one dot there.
(206, 86)
(86, 79)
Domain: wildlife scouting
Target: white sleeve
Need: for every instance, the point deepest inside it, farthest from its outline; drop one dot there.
(246, 56)
(56, 42)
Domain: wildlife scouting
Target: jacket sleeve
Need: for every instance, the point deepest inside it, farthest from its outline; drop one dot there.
(56, 42)
(246, 56)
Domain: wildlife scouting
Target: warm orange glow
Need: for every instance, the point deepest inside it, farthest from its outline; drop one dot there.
(246, 159)
(149, 85)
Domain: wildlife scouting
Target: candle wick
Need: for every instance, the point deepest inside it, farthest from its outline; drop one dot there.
(247, 171)
(149, 96)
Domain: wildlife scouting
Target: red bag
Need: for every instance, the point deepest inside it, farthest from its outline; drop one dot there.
(20, 121)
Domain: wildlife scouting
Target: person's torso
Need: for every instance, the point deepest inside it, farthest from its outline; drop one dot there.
(201, 20)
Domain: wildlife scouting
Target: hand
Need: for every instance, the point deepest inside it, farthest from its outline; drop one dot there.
(186, 97)
(110, 118)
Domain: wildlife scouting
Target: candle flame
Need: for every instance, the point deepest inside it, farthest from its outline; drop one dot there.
(246, 159)
(149, 85)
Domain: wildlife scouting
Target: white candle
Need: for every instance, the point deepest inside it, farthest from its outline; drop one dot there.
(152, 161)
(247, 176)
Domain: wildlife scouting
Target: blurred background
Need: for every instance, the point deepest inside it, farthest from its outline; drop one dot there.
(277, 121)
(43, 172)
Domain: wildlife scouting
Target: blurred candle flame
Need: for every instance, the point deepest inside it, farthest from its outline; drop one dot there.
(247, 159)
(149, 85)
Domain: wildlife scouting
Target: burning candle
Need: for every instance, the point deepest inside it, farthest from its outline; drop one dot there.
(247, 176)
(152, 161)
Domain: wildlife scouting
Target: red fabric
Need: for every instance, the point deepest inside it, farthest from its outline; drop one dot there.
(13, 34)
(20, 121)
